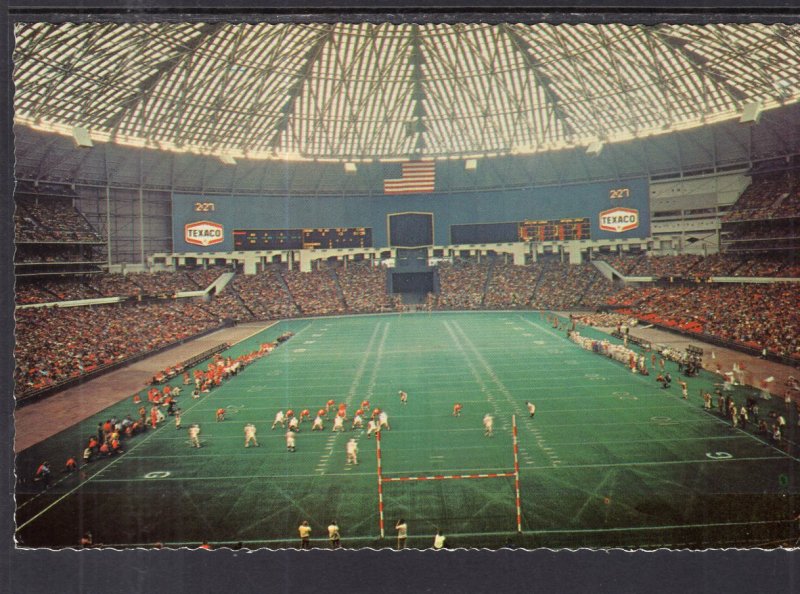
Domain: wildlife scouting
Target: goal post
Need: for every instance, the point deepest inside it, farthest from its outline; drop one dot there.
(382, 479)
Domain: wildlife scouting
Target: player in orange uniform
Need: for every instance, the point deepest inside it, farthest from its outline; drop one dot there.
(365, 404)
(329, 404)
(42, 474)
(220, 414)
(456, 410)
(305, 415)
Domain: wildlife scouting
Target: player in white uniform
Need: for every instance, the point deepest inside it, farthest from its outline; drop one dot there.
(278, 419)
(358, 422)
(194, 436)
(684, 389)
(531, 408)
(250, 435)
(352, 452)
(290, 443)
(294, 424)
(383, 420)
(317, 426)
(372, 427)
(488, 424)
(338, 423)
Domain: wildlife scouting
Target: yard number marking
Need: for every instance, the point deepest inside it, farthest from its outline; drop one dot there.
(719, 455)
(625, 396)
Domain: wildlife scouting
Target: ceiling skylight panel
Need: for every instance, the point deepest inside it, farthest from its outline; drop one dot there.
(305, 108)
(446, 101)
(323, 79)
(574, 42)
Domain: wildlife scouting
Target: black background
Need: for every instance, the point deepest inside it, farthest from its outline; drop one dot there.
(344, 572)
(484, 233)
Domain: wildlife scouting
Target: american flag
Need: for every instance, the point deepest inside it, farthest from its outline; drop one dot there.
(418, 177)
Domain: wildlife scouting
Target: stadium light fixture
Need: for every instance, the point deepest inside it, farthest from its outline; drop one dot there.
(594, 149)
(227, 159)
(350, 168)
(751, 113)
(82, 137)
(471, 164)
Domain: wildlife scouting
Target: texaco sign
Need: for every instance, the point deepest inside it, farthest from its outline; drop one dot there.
(204, 233)
(619, 220)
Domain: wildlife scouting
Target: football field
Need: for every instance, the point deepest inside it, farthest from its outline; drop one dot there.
(609, 460)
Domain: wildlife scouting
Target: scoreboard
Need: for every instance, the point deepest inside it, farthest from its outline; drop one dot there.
(280, 222)
(297, 239)
(555, 230)
(528, 231)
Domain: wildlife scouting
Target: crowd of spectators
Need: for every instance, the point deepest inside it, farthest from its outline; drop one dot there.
(315, 292)
(655, 266)
(43, 254)
(764, 231)
(770, 196)
(68, 289)
(629, 296)
(162, 282)
(228, 304)
(58, 343)
(767, 267)
(51, 220)
(364, 288)
(622, 263)
(265, 295)
(114, 285)
(717, 265)
(203, 277)
(566, 286)
(511, 286)
(55, 344)
(763, 316)
(31, 291)
(462, 284)
(695, 266)
(604, 320)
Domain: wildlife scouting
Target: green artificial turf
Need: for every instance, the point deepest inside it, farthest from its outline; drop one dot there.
(610, 459)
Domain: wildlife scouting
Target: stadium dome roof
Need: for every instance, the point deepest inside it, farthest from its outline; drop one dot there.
(351, 92)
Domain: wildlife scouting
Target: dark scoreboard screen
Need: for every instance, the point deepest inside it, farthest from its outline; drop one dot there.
(555, 230)
(297, 239)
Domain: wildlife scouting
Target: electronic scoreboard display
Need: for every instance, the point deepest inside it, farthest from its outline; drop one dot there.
(555, 230)
(298, 239)
(534, 215)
